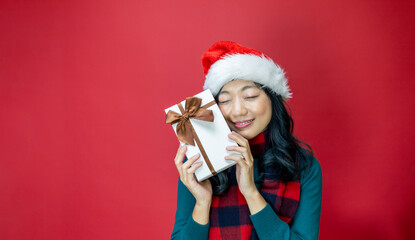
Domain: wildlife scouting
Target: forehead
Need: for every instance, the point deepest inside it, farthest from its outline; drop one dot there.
(238, 85)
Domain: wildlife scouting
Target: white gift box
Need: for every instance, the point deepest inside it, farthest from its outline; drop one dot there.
(213, 137)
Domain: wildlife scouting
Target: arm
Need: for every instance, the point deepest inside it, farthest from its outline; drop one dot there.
(185, 227)
(305, 224)
(191, 196)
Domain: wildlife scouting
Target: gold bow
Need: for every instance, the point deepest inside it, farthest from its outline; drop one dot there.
(184, 127)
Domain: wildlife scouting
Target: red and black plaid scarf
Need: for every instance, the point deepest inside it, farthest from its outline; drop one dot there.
(229, 216)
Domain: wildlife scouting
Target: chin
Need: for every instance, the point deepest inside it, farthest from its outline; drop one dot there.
(246, 135)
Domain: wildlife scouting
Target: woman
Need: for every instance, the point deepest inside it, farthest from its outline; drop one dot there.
(274, 191)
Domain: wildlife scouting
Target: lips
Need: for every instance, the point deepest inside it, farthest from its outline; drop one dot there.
(243, 124)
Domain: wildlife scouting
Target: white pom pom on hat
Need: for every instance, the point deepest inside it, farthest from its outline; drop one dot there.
(226, 61)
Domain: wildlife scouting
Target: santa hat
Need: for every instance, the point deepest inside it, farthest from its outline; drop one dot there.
(226, 61)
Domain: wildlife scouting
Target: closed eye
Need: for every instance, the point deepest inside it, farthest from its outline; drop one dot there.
(251, 97)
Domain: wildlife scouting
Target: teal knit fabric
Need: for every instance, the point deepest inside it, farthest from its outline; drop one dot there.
(305, 224)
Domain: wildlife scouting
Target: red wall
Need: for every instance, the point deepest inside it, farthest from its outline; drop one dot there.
(84, 152)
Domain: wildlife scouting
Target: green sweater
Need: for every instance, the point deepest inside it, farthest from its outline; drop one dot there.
(304, 225)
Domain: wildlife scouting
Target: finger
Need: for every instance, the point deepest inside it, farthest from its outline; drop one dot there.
(180, 154)
(194, 167)
(237, 158)
(241, 140)
(238, 139)
(181, 151)
(186, 166)
(243, 151)
(239, 149)
(190, 177)
(178, 160)
(190, 161)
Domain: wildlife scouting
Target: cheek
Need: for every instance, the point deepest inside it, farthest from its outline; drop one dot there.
(269, 114)
(264, 110)
(225, 111)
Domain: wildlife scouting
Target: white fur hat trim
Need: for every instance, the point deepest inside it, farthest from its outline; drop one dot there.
(250, 67)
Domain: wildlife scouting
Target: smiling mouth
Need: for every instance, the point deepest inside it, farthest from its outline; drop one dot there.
(243, 124)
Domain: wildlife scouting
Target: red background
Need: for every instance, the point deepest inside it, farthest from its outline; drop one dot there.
(84, 152)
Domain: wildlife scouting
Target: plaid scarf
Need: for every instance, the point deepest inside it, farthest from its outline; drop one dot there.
(229, 216)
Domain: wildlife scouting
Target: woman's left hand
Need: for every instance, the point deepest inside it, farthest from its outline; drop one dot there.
(244, 166)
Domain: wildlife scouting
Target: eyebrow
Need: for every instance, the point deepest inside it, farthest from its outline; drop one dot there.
(243, 89)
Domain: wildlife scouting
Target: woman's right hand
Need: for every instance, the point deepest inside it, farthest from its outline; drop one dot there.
(202, 191)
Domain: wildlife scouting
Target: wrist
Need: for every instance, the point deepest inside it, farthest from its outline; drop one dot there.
(203, 203)
(255, 202)
(252, 195)
(201, 213)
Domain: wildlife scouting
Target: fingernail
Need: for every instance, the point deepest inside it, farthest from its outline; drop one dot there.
(228, 148)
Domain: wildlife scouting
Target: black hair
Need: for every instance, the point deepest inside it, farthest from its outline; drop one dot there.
(283, 151)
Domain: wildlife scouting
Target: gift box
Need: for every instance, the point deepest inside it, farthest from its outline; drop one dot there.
(199, 123)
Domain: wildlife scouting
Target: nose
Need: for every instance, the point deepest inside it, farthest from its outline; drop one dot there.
(238, 108)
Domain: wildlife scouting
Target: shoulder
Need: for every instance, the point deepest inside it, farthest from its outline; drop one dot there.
(311, 171)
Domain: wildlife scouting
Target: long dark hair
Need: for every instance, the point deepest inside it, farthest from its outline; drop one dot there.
(283, 151)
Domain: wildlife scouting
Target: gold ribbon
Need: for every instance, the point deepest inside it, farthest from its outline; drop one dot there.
(185, 131)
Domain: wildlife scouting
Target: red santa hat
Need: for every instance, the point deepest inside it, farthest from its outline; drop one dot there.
(226, 61)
